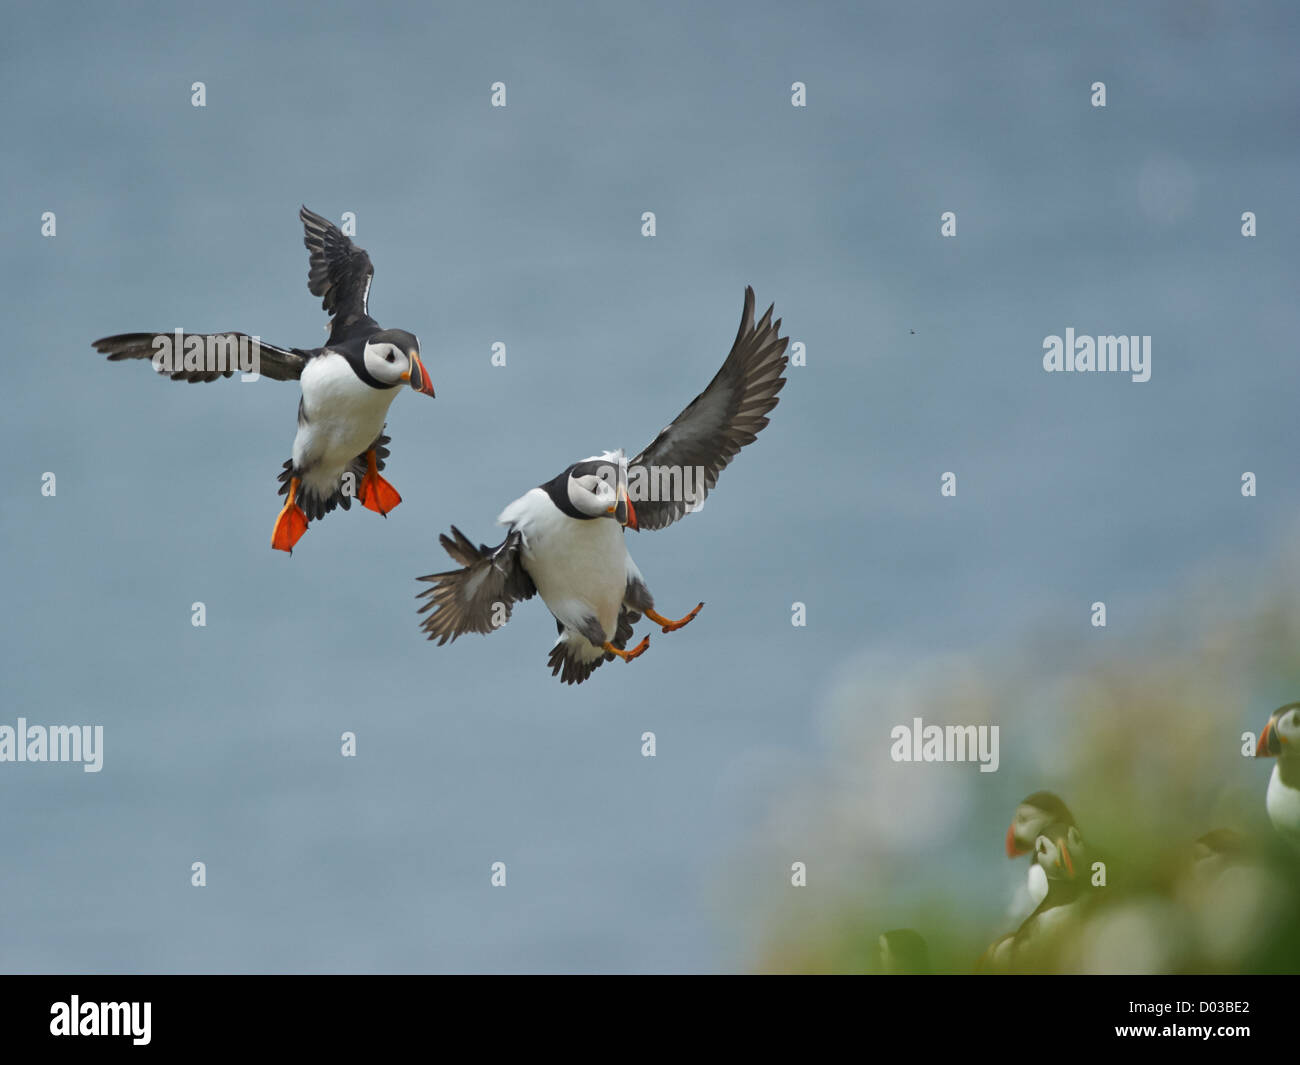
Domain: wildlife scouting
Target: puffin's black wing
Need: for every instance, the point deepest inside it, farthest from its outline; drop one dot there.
(220, 355)
(479, 597)
(718, 423)
(340, 273)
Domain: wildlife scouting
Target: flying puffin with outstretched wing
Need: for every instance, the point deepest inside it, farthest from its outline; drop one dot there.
(347, 385)
(566, 537)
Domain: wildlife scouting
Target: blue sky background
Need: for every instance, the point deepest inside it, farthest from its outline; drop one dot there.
(522, 225)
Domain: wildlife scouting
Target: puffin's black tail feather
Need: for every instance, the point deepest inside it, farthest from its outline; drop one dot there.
(573, 670)
(316, 507)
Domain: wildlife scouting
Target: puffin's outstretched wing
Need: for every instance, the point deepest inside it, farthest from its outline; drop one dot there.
(279, 364)
(479, 597)
(340, 273)
(718, 423)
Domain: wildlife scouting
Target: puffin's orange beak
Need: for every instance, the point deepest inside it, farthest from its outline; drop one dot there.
(418, 375)
(1065, 855)
(624, 512)
(1268, 745)
(1014, 850)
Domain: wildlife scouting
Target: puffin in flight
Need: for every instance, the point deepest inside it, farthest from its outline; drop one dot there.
(565, 539)
(347, 385)
(1281, 740)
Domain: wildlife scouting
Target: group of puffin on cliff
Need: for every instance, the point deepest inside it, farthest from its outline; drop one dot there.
(565, 538)
(1060, 880)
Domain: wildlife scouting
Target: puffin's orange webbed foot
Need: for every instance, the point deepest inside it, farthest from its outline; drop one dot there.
(291, 522)
(375, 493)
(636, 651)
(669, 625)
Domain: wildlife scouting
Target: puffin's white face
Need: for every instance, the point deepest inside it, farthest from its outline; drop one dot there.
(387, 363)
(593, 488)
(1057, 850)
(1281, 736)
(598, 488)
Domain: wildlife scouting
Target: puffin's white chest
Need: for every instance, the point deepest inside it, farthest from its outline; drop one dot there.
(344, 414)
(1036, 885)
(580, 567)
(1283, 804)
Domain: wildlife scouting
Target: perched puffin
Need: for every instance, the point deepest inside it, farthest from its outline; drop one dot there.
(1039, 813)
(1059, 852)
(347, 385)
(566, 537)
(1281, 740)
(1034, 814)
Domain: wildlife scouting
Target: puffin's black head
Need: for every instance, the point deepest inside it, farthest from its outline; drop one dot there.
(1034, 812)
(392, 356)
(594, 488)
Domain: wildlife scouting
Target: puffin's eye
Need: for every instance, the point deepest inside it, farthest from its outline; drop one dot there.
(390, 356)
